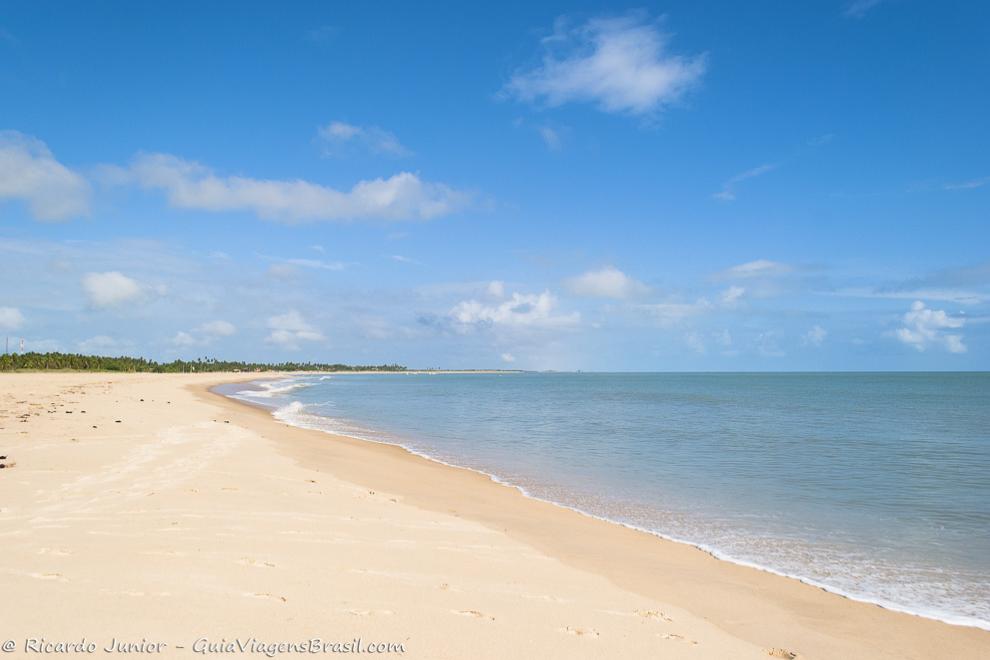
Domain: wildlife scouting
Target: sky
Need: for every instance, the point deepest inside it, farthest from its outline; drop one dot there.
(672, 186)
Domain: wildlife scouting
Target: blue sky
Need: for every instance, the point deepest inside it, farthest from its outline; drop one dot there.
(668, 186)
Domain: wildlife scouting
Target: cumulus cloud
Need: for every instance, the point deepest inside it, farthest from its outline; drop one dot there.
(109, 289)
(815, 336)
(519, 310)
(30, 174)
(289, 330)
(496, 288)
(190, 185)
(337, 135)
(924, 327)
(10, 318)
(508, 357)
(620, 64)
(728, 191)
(607, 282)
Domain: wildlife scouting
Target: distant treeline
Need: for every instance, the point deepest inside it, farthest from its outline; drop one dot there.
(75, 362)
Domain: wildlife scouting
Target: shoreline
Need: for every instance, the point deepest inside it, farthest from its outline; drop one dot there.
(145, 506)
(744, 579)
(948, 619)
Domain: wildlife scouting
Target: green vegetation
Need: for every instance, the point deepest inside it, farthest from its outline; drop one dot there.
(75, 362)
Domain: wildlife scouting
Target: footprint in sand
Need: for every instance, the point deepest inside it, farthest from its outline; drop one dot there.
(654, 614)
(56, 552)
(782, 653)
(590, 633)
(472, 613)
(370, 612)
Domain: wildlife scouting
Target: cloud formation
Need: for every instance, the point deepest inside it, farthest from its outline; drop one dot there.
(205, 334)
(728, 191)
(519, 310)
(607, 282)
(30, 174)
(289, 330)
(337, 135)
(109, 289)
(620, 64)
(924, 327)
(760, 268)
(10, 318)
(190, 185)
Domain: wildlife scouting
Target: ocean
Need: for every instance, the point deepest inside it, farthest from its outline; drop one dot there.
(871, 485)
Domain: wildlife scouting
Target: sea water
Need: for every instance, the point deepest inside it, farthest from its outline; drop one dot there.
(876, 486)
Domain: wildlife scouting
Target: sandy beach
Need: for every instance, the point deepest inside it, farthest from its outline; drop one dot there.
(144, 509)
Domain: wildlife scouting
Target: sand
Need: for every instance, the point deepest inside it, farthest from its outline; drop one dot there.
(144, 510)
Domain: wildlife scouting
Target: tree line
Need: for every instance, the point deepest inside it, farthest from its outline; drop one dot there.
(77, 362)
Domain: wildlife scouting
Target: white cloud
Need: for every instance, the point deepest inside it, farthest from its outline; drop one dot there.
(815, 336)
(620, 64)
(496, 289)
(519, 310)
(204, 335)
(731, 296)
(728, 191)
(290, 329)
(924, 327)
(184, 339)
(607, 282)
(759, 268)
(337, 134)
(110, 288)
(29, 173)
(189, 185)
(10, 318)
(508, 357)
(967, 185)
(218, 328)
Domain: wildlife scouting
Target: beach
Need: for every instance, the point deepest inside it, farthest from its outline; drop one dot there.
(145, 509)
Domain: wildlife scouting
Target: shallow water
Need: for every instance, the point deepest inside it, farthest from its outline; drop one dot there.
(872, 485)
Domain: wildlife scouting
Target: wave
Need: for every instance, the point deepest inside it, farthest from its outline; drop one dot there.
(272, 389)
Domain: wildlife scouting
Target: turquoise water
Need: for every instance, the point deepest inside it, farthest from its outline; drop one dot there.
(872, 485)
